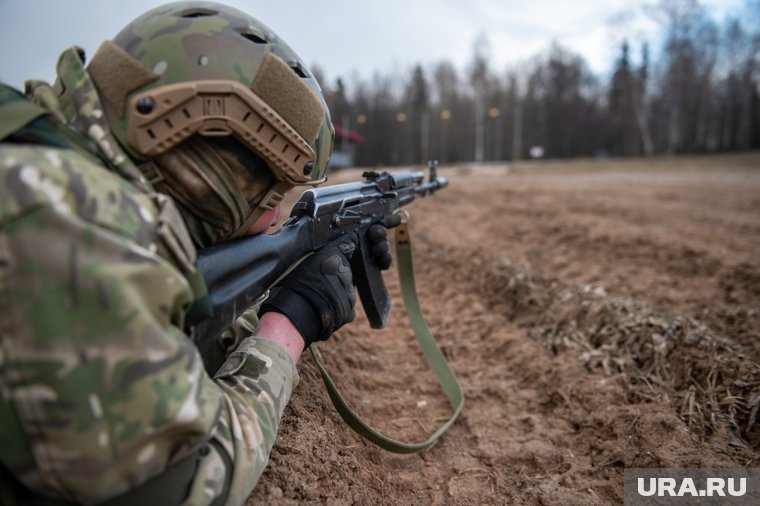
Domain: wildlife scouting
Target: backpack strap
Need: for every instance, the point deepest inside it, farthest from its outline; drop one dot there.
(16, 112)
(25, 122)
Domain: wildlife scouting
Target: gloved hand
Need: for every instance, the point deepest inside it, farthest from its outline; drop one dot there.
(378, 239)
(318, 297)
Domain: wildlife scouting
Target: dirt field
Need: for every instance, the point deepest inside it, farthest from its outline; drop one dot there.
(599, 315)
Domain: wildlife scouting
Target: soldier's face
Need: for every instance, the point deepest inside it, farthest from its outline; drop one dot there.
(266, 220)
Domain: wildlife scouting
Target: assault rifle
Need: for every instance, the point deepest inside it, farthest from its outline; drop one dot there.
(239, 272)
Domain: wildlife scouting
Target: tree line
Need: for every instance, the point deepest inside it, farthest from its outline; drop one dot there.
(698, 92)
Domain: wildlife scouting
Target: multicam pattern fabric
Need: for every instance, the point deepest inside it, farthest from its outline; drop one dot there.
(100, 389)
(74, 99)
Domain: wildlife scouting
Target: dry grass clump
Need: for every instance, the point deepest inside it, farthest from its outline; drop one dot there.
(672, 359)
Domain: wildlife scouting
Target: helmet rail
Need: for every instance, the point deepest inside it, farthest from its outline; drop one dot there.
(163, 117)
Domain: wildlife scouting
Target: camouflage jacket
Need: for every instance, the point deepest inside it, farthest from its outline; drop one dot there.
(100, 389)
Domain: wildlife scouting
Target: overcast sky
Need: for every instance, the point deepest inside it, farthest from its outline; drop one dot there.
(345, 36)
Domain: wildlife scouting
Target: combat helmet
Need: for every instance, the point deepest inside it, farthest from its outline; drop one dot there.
(216, 110)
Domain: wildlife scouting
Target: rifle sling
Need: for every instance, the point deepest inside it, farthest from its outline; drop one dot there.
(430, 349)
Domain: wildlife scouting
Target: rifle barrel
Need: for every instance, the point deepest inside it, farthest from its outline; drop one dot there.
(429, 188)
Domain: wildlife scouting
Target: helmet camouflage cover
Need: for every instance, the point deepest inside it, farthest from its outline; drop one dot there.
(217, 111)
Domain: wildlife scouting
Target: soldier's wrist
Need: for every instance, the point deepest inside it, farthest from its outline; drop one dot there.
(299, 310)
(277, 328)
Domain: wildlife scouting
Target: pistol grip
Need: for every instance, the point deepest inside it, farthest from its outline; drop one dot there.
(370, 285)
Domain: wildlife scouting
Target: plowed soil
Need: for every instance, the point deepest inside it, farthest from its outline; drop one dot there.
(599, 315)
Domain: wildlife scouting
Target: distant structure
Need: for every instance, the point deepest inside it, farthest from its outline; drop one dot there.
(345, 144)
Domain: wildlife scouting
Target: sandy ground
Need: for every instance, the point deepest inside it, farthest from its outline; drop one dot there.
(599, 315)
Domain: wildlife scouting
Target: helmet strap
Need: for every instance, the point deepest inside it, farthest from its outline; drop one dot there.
(270, 201)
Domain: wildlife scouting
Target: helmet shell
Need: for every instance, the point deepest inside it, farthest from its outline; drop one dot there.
(196, 41)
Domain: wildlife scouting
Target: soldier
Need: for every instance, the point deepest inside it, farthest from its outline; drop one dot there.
(186, 130)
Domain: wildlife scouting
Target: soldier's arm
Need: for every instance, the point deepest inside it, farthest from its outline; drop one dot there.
(279, 329)
(100, 390)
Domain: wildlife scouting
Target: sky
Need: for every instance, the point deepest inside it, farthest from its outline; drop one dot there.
(352, 38)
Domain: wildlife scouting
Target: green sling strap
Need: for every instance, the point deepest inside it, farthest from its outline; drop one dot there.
(430, 350)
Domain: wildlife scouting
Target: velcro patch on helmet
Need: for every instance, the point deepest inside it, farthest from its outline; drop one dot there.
(116, 74)
(281, 88)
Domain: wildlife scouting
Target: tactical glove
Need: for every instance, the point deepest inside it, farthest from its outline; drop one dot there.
(318, 297)
(378, 239)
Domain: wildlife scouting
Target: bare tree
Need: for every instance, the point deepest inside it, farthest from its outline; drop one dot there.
(479, 80)
(699, 92)
(688, 61)
(417, 100)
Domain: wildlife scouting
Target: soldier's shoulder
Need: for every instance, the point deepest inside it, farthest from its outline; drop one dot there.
(34, 177)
